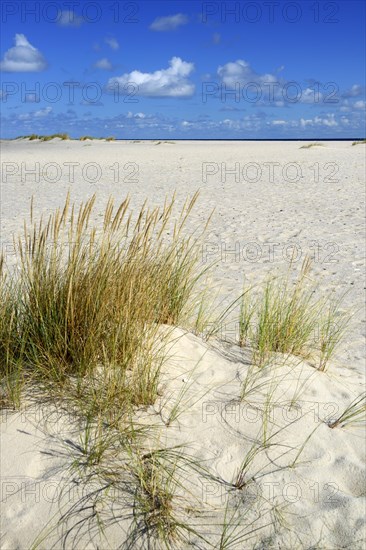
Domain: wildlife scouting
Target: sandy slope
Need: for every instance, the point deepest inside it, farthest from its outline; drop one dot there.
(255, 221)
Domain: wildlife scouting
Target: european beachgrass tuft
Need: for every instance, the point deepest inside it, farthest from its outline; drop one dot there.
(88, 304)
(287, 317)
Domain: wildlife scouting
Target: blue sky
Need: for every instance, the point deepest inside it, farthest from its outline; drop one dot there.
(171, 69)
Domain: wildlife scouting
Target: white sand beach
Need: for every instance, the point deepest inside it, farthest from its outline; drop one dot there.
(272, 202)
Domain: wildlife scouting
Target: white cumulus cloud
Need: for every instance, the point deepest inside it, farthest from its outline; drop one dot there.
(23, 57)
(112, 43)
(68, 18)
(355, 91)
(311, 96)
(135, 115)
(43, 112)
(169, 23)
(170, 82)
(266, 87)
(328, 121)
(241, 72)
(239, 75)
(103, 64)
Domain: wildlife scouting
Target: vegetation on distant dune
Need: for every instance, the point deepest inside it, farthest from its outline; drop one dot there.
(84, 138)
(32, 137)
(309, 145)
(62, 136)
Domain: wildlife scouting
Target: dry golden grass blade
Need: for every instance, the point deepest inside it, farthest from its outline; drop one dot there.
(120, 215)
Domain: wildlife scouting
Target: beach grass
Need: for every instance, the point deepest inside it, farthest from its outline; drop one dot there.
(90, 303)
(353, 415)
(158, 502)
(63, 136)
(53, 136)
(310, 145)
(287, 317)
(92, 138)
(32, 137)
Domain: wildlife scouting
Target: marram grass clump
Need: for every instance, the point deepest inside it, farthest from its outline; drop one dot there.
(90, 301)
(288, 317)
